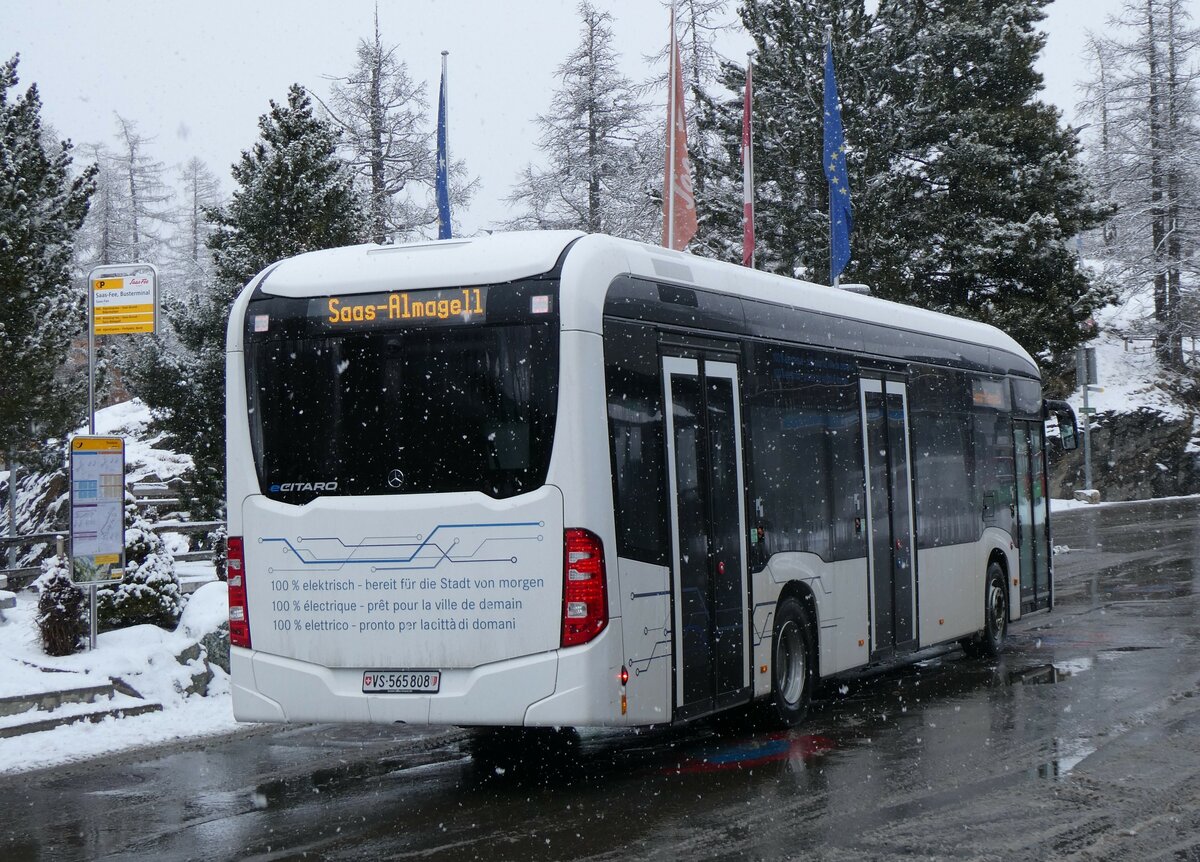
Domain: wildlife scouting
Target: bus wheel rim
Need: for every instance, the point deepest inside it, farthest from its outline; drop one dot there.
(791, 660)
(996, 606)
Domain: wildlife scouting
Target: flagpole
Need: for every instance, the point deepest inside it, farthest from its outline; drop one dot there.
(442, 173)
(748, 167)
(671, 97)
(833, 280)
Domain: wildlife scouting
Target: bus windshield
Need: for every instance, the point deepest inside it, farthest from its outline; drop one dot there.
(425, 410)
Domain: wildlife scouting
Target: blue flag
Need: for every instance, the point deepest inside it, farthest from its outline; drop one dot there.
(840, 221)
(443, 185)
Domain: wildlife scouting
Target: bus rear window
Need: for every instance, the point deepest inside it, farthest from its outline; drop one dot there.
(451, 408)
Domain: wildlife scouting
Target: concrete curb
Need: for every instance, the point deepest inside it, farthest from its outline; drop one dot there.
(50, 700)
(93, 717)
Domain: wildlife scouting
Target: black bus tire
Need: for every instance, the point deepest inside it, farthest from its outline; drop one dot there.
(793, 663)
(989, 642)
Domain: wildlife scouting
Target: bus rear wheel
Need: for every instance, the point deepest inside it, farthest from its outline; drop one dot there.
(793, 663)
(989, 642)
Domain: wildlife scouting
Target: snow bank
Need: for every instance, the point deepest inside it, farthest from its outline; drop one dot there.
(143, 657)
(130, 419)
(1130, 376)
(1068, 505)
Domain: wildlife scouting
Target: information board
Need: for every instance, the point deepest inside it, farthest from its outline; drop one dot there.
(124, 299)
(97, 509)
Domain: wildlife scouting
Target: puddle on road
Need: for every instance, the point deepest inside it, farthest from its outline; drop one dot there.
(282, 792)
(1056, 672)
(1070, 753)
(1050, 674)
(1170, 590)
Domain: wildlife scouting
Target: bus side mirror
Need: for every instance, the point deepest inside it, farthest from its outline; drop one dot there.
(1068, 427)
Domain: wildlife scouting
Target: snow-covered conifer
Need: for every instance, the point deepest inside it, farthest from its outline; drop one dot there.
(293, 195)
(983, 192)
(1144, 153)
(602, 159)
(150, 592)
(41, 208)
(967, 188)
(389, 142)
(791, 193)
(148, 212)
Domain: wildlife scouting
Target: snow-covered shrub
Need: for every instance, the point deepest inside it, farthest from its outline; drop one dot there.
(62, 608)
(217, 539)
(150, 591)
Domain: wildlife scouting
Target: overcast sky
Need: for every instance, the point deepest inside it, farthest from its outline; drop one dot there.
(195, 77)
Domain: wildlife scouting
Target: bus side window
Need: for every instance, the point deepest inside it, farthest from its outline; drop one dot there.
(635, 420)
(805, 436)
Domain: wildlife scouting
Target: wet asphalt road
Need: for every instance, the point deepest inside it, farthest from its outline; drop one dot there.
(1082, 742)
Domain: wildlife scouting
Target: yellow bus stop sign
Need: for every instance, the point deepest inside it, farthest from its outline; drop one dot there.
(124, 302)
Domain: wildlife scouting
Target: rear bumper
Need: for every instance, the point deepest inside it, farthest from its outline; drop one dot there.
(577, 687)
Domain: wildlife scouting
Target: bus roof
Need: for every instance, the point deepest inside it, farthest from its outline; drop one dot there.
(509, 256)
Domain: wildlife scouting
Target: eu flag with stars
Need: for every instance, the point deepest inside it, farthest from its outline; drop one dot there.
(443, 185)
(840, 221)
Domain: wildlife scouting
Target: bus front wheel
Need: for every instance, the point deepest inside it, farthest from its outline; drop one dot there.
(793, 663)
(989, 642)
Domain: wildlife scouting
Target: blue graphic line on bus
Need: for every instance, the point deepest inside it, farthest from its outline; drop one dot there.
(761, 634)
(438, 562)
(641, 665)
(306, 557)
(442, 553)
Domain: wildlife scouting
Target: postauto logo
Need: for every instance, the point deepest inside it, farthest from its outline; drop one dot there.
(287, 487)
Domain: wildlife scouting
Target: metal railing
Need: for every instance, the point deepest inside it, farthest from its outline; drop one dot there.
(19, 578)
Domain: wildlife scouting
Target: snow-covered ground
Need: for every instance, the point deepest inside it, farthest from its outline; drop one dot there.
(143, 457)
(143, 657)
(1129, 374)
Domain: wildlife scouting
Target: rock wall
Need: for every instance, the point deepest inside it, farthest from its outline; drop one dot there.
(1135, 456)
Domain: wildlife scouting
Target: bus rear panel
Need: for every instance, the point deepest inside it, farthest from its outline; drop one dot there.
(402, 557)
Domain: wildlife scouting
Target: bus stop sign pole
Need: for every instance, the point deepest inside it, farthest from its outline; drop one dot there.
(122, 300)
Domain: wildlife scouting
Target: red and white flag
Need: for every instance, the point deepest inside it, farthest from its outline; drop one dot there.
(748, 171)
(679, 203)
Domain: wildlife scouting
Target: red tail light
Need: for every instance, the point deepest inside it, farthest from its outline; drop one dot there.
(585, 591)
(239, 618)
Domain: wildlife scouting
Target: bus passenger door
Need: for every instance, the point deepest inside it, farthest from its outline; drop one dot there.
(889, 517)
(1031, 516)
(709, 577)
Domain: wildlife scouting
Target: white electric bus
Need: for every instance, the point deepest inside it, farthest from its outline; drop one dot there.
(548, 479)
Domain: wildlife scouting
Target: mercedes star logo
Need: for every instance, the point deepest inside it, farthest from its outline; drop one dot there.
(395, 478)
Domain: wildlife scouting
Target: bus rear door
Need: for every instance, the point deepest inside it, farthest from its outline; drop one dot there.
(1032, 516)
(709, 577)
(889, 517)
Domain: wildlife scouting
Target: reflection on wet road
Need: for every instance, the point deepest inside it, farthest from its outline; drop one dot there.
(1084, 738)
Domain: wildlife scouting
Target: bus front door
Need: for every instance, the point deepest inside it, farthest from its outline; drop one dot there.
(709, 578)
(1033, 535)
(889, 517)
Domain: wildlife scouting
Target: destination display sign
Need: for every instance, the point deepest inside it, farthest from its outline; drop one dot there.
(124, 299)
(400, 307)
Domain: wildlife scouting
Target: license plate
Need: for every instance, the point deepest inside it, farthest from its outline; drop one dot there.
(401, 681)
